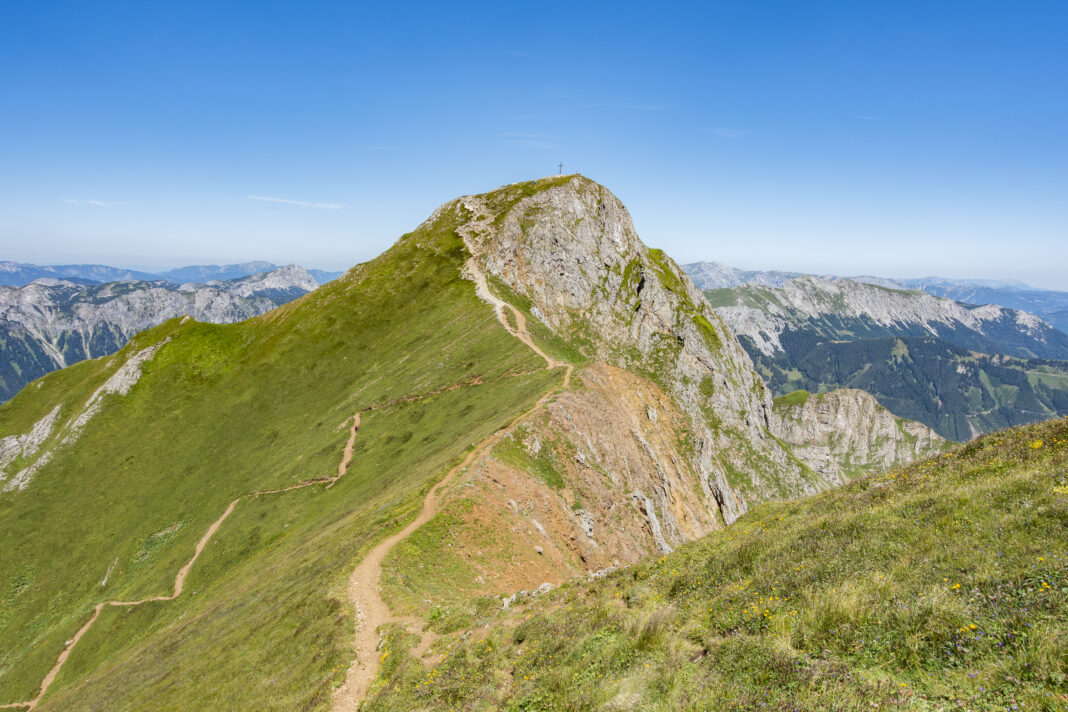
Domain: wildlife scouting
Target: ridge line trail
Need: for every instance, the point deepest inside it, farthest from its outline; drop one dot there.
(372, 611)
(179, 579)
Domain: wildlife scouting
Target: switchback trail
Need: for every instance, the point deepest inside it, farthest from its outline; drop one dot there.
(179, 579)
(372, 611)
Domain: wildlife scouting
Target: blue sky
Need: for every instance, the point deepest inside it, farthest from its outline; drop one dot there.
(897, 138)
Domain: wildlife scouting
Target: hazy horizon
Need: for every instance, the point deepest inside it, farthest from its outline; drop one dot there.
(906, 139)
(157, 269)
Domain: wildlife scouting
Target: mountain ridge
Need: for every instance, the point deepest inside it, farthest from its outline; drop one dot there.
(663, 433)
(762, 313)
(959, 369)
(1050, 305)
(17, 274)
(50, 323)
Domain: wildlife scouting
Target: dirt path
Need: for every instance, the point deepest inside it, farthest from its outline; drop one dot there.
(473, 271)
(179, 579)
(372, 611)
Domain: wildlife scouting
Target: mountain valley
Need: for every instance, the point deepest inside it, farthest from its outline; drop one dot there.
(517, 461)
(960, 369)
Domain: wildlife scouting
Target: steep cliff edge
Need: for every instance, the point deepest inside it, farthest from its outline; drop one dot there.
(665, 434)
(845, 433)
(568, 249)
(655, 433)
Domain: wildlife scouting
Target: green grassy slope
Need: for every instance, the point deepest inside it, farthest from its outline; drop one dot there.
(940, 586)
(226, 410)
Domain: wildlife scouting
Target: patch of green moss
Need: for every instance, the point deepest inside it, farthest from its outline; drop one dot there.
(792, 400)
(541, 464)
(502, 200)
(708, 332)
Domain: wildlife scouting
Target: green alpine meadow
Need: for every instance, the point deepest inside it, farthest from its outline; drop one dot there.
(941, 585)
(515, 462)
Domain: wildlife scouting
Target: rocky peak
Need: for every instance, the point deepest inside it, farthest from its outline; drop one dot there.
(571, 248)
(568, 245)
(290, 277)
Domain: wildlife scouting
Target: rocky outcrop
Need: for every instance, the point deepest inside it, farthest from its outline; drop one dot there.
(716, 275)
(568, 246)
(925, 358)
(31, 447)
(50, 323)
(845, 433)
(25, 447)
(665, 434)
(596, 478)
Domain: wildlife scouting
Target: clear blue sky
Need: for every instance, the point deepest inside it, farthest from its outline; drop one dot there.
(897, 138)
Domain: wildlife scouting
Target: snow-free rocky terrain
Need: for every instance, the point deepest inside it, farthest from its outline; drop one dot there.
(275, 513)
(1048, 304)
(961, 369)
(51, 323)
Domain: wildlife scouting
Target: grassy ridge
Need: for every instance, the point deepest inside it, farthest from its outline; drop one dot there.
(222, 411)
(939, 586)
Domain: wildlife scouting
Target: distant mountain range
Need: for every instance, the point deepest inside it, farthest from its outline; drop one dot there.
(20, 273)
(473, 472)
(1049, 304)
(51, 323)
(961, 369)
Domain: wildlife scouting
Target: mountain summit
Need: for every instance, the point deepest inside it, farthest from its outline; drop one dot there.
(516, 394)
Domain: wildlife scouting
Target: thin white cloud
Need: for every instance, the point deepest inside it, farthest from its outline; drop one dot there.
(532, 143)
(528, 139)
(93, 203)
(301, 203)
(625, 107)
(725, 132)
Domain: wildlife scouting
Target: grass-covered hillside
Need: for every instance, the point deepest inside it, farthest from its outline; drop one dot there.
(221, 411)
(940, 586)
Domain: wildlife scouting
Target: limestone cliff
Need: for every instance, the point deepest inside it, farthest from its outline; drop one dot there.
(844, 433)
(568, 247)
(52, 323)
(664, 432)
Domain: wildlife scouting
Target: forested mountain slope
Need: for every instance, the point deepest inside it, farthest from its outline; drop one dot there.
(924, 358)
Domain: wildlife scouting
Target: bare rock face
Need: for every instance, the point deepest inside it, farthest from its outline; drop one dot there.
(845, 433)
(665, 432)
(568, 246)
(52, 323)
(587, 483)
(762, 313)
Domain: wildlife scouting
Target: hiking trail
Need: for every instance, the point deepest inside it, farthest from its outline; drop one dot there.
(179, 579)
(372, 611)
